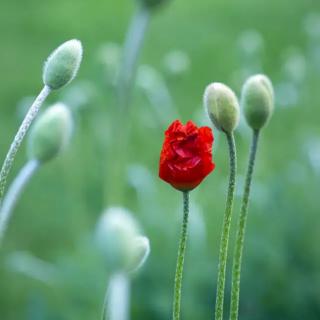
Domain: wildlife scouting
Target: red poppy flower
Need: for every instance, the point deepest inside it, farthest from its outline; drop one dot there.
(186, 156)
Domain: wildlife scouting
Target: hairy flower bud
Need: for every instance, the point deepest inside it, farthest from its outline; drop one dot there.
(50, 133)
(222, 106)
(153, 3)
(118, 239)
(63, 64)
(257, 100)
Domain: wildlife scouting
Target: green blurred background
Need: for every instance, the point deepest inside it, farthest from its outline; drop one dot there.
(48, 267)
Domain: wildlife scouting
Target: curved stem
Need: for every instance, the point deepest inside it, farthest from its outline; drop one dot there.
(117, 298)
(180, 260)
(223, 253)
(8, 162)
(237, 258)
(14, 192)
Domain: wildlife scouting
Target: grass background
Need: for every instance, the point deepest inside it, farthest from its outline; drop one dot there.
(56, 217)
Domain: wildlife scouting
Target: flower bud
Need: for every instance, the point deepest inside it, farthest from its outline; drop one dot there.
(257, 100)
(222, 106)
(50, 133)
(63, 64)
(141, 252)
(153, 3)
(118, 240)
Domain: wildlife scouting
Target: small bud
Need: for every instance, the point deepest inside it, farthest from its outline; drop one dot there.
(257, 100)
(118, 239)
(63, 64)
(50, 133)
(222, 106)
(153, 3)
(141, 252)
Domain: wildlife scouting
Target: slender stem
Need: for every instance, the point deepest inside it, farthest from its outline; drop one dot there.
(14, 192)
(8, 162)
(131, 51)
(223, 254)
(117, 299)
(237, 258)
(127, 73)
(180, 260)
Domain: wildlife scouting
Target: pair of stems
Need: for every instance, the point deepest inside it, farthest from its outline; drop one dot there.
(237, 258)
(32, 113)
(27, 171)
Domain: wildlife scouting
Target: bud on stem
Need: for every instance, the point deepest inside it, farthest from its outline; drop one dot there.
(257, 99)
(222, 106)
(63, 64)
(119, 241)
(51, 133)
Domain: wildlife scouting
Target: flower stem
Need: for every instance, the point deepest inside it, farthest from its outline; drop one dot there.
(14, 192)
(223, 253)
(117, 299)
(237, 258)
(180, 260)
(8, 162)
(126, 79)
(131, 51)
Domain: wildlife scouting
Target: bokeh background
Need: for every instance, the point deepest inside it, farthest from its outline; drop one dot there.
(48, 266)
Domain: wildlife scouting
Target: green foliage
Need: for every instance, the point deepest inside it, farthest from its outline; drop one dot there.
(225, 41)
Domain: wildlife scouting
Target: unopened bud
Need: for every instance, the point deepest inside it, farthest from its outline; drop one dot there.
(51, 133)
(257, 100)
(140, 253)
(63, 64)
(222, 106)
(118, 240)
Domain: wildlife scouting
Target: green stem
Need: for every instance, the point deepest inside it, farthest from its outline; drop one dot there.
(237, 258)
(180, 260)
(223, 253)
(126, 79)
(131, 51)
(14, 192)
(117, 299)
(32, 113)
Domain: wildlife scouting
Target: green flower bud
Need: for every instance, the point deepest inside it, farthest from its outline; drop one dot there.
(118, 240)
(63, 64)
(222, 106)
(257, 100)
(140, 253)
(50, 133)
(153, 3)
